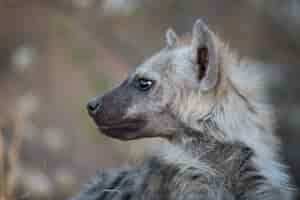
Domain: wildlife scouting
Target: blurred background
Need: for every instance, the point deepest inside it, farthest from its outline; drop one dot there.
(56, 54)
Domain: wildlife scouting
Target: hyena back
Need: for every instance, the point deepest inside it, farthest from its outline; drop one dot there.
(210, 108)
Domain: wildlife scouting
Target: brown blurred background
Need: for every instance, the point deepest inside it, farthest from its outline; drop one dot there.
(56, 54)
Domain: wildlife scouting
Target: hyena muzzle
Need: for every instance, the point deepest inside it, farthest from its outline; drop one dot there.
(209, 107)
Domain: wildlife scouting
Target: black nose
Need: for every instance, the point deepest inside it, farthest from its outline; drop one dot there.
(94, 106)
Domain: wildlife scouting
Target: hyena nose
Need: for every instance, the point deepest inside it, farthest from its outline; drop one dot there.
(93, 106)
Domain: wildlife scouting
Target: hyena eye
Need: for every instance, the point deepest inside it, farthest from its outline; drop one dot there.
(143, 84)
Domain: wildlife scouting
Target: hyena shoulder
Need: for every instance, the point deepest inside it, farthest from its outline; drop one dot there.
(228, 176)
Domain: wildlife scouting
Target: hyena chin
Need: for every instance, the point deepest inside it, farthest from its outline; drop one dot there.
(210, 108)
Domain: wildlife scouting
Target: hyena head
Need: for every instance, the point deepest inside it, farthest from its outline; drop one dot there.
(147, 103)
(187, 84)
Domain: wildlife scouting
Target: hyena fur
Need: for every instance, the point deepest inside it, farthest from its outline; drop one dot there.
(210, 108)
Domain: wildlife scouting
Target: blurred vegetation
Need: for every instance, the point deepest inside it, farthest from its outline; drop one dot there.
(56, 54)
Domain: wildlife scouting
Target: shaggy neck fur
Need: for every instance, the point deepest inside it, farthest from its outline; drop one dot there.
(235, 114)
(244, 116)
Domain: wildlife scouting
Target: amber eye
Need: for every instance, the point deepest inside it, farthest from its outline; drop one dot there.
(143, 84)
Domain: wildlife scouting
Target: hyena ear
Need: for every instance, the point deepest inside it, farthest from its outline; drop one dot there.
(171, 38)
(204, 54)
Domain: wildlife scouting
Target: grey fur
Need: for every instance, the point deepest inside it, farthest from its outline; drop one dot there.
(232, 176)
(219, 132)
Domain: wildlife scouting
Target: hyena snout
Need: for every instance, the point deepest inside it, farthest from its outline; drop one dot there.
(94, 106)
(109, 112)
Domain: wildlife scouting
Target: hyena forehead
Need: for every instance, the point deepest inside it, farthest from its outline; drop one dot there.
(166, 63)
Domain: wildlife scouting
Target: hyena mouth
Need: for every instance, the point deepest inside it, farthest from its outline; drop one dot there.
(122, 130)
